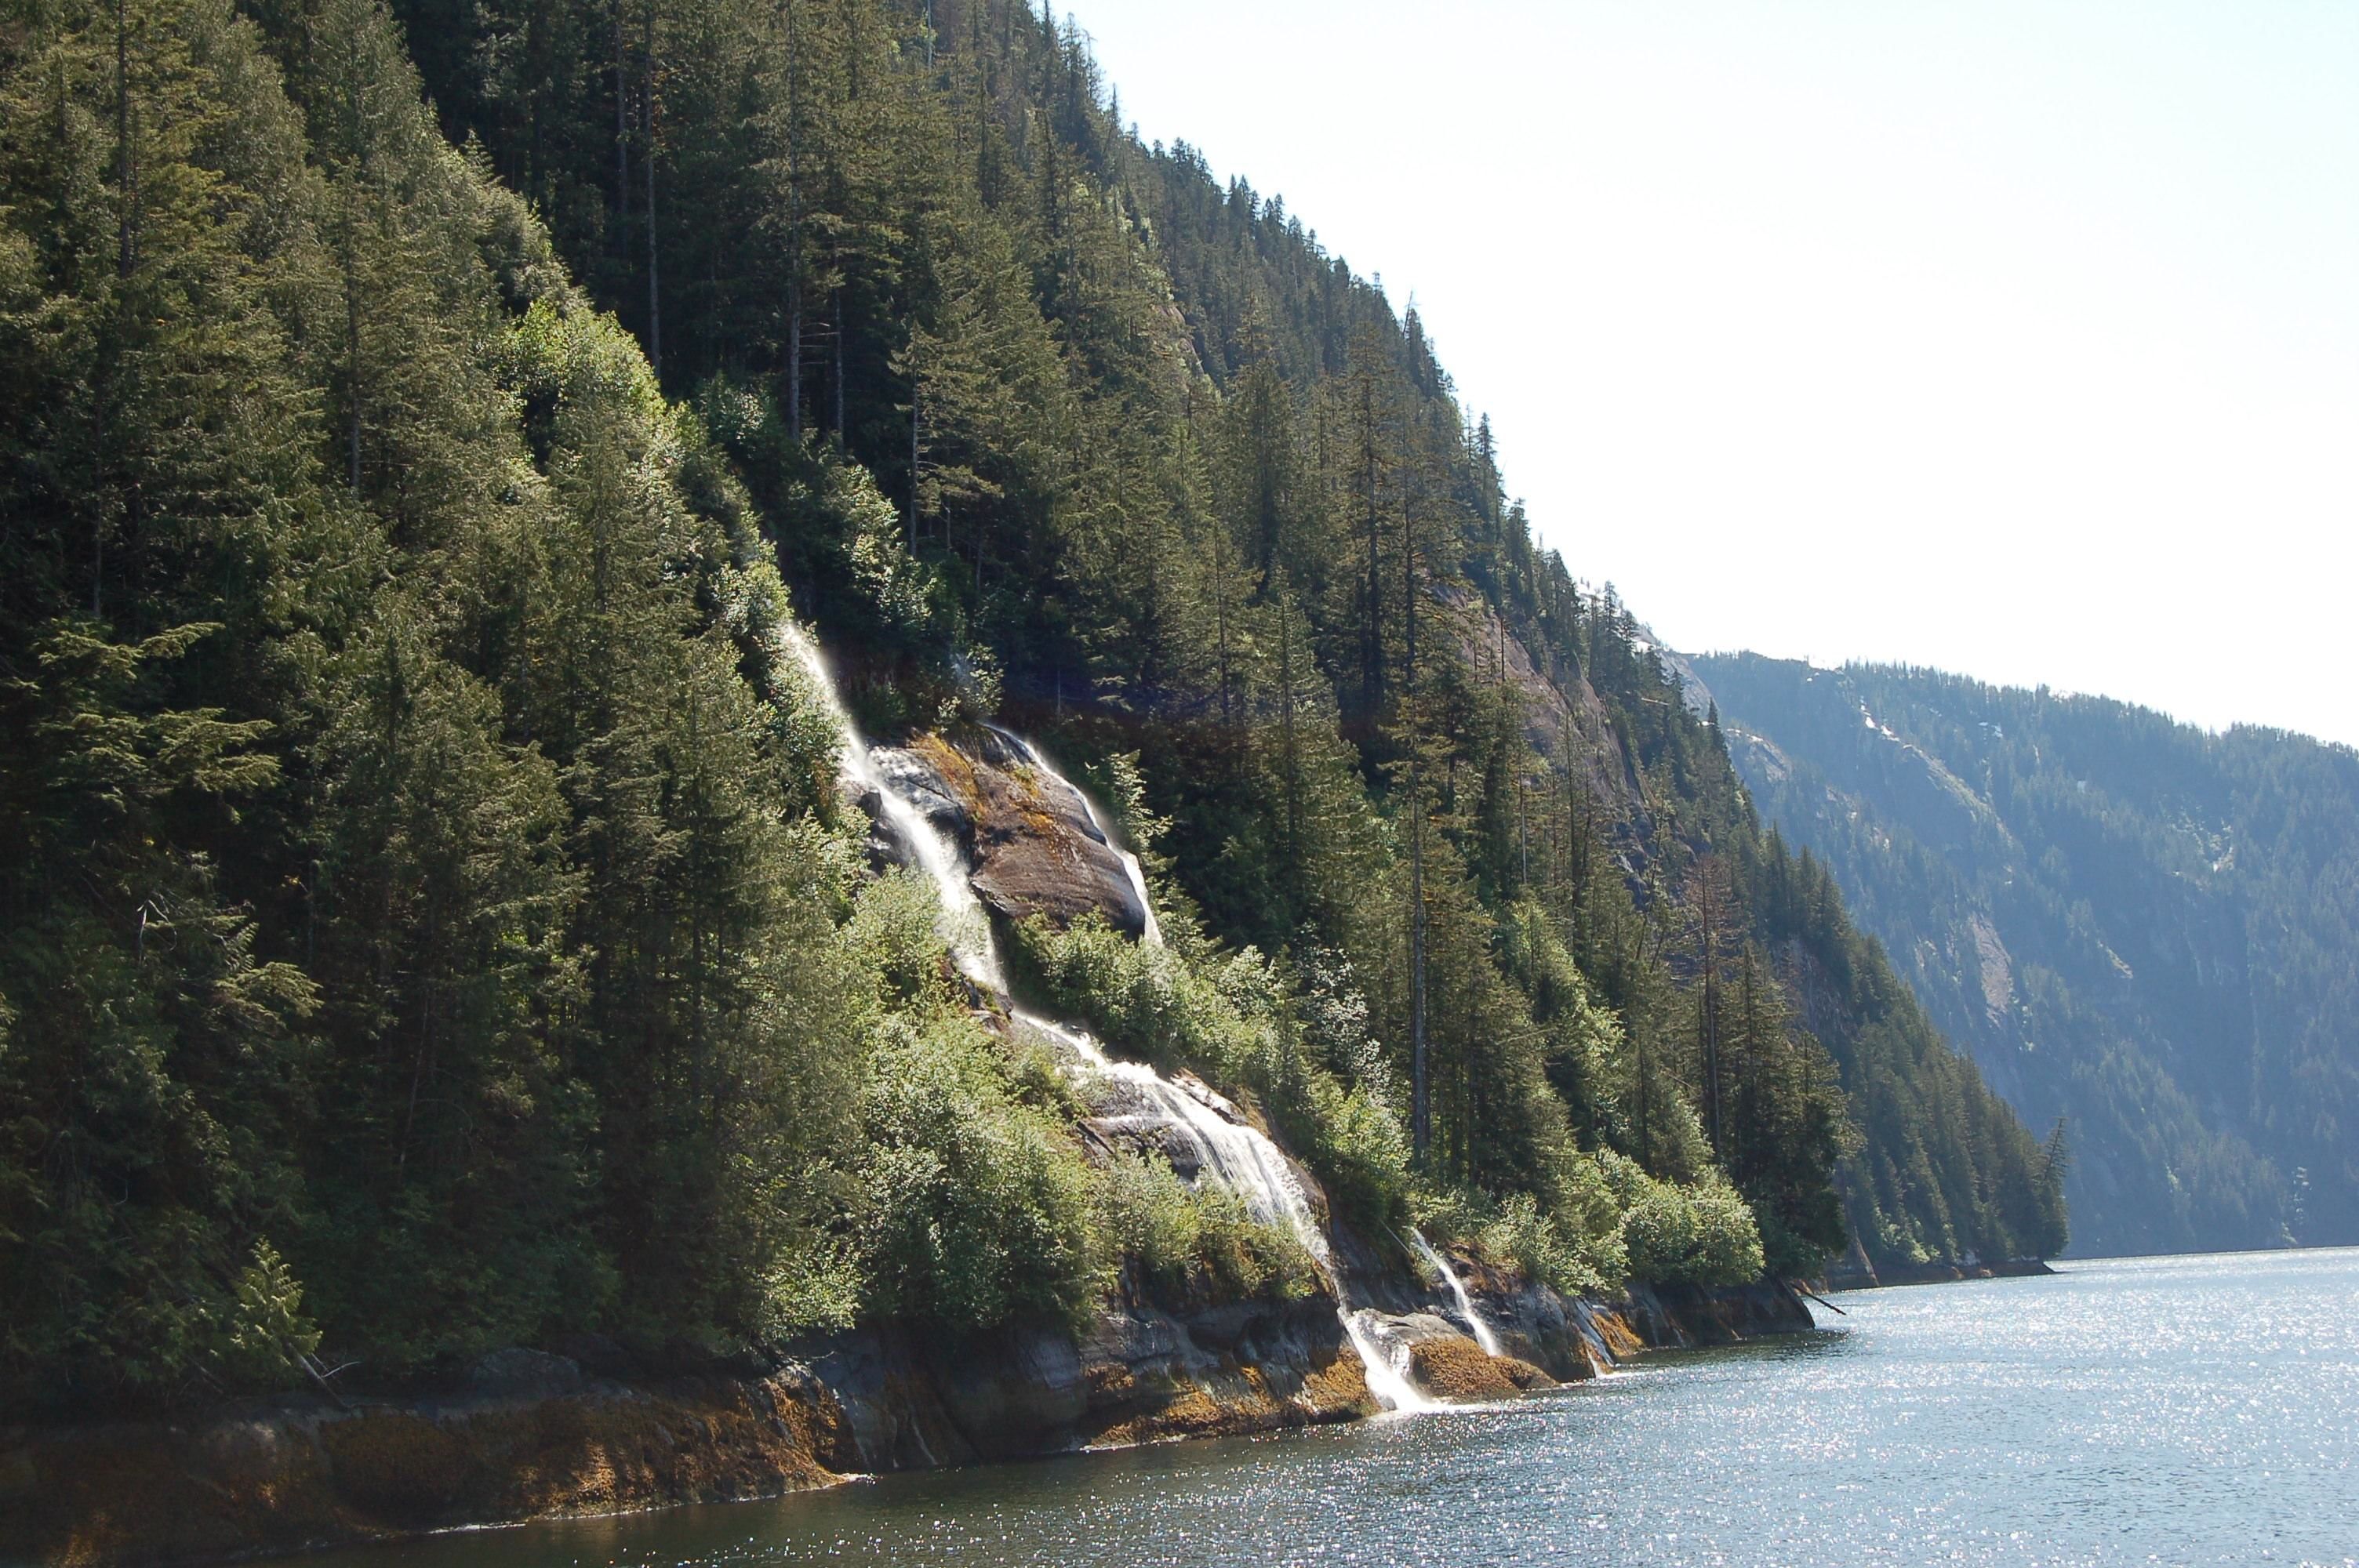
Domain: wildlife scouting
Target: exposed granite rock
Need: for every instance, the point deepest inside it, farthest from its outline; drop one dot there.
(305, 1474)
(1563, 717)
(1035, 844)
(1679, 1316)
(1139, 1374)
(1570, 1339)
(1441, 1358)
(1854, 1273)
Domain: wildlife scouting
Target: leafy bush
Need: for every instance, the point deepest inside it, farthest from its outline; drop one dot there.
(893, 933)
(1231, 1022)
(1153, 1217)
(1573, 1244)
(971, 1207)
(1700, 1234)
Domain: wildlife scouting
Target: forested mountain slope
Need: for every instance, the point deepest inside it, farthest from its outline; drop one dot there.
(2133, 924)
(435, 924)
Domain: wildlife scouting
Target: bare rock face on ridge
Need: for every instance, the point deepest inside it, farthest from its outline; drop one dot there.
(1035, 845)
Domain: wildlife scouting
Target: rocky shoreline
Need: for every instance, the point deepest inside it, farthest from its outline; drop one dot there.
(531, 1434)
(1857, 1273)
(534, 1436)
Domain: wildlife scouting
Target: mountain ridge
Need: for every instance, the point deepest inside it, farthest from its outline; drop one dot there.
(2102, 903)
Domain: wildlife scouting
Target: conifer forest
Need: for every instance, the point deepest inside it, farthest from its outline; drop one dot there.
(434, 916)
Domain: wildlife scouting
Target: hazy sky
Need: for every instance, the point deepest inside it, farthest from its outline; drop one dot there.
(2020, 339)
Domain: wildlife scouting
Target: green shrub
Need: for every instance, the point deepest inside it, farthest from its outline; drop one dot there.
(1573, 1248)
(1150, 1216)
(1171, 1232)
(1700, 1234)
(971, 1207)
(1248, 1258)
(894, 933)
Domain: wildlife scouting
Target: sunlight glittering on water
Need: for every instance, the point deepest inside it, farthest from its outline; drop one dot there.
(2184, 1411)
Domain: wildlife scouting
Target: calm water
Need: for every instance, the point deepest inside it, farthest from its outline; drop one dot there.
(2170, 1411)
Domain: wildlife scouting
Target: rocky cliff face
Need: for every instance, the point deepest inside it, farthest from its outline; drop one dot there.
(1032, 842)
(2059, 883)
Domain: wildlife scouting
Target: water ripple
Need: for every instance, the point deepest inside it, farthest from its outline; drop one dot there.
(2185, 1410)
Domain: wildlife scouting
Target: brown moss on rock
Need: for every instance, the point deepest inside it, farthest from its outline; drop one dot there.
(309, 1476)
(1453, 1368)
(1236, 1402)
(1621, 1339)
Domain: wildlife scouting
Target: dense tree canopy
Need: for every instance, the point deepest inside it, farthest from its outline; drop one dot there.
(432, 924)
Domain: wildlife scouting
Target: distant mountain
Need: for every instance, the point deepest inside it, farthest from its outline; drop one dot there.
(2144, 928)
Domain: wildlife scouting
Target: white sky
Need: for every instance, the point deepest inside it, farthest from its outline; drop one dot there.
(2017, 337)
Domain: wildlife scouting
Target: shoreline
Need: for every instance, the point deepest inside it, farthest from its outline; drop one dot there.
(258, 1479)
(1867, 1277)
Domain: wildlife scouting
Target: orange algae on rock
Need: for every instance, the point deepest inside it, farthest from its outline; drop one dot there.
(1460, 1370)
(299, 1477)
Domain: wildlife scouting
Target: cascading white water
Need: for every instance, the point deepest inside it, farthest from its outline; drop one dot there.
(1241, 1159)
(964, 926)
(1386, 1381)
(1441, 1265)
(1153, 935)
(1236, 1155)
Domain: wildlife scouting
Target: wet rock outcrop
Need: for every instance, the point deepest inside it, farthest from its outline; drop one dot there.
(1854, 1273)
(1442, 1360)
(535, 1436)
(305, 1472)
(1034, 842)
(1139, 1375)
(1451, 1366)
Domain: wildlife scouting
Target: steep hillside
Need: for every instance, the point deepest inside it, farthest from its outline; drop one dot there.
(2135, 926)
(455, 908)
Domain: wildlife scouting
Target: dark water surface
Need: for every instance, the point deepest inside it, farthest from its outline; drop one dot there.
(2165, 1410)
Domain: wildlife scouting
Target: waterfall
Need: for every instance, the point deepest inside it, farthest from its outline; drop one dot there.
(1241, 1159)
(964, 926)
(1225, 1146)
(1235, 1153)
(1153, 935)
(1483, 1335)
(1389, 1383)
